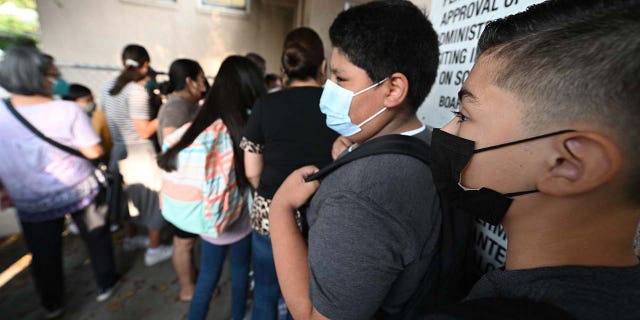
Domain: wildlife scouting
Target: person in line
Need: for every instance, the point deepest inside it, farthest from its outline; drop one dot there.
(184, 91)
(558, 167)
(205, 180)
(273, 82)
(289, 127)
(45, 182)
(374, 223)
(59, 86)
(126, 105)
(84, 98)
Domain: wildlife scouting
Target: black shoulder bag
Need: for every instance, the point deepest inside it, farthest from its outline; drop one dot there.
(101, 173)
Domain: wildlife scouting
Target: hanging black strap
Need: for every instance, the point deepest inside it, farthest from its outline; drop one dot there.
(35, 131)
(389, 144)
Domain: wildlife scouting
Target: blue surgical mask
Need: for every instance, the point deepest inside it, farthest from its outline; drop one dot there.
(90, 107)
(335, 104)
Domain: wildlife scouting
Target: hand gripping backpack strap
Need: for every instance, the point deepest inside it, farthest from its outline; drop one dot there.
(392, 144)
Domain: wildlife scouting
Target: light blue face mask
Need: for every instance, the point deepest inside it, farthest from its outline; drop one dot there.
(335, 104)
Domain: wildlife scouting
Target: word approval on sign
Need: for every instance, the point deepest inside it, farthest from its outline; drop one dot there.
(459, 24)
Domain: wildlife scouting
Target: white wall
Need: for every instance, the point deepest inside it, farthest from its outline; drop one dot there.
(95, 31)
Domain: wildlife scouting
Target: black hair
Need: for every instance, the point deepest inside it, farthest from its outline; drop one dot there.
(133, 57)
(541, 16)
(23, 70)
(179, 71)
(573, 61)
(258, 60)
(302, 54)
(384, 37)
(235, 89)
(271, 78)
(76, 91)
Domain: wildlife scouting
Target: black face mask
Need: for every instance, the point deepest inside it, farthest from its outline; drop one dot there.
(450, 155)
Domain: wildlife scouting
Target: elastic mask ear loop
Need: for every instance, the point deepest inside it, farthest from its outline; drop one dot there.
(522, 141)
(521, 193)
(371, 86)
(372, 117)
(381, 110)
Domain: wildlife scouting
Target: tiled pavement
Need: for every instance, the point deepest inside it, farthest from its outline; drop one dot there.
(144, 292)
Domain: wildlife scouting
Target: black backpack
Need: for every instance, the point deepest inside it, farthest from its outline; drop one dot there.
(450, 276)
(497, 308)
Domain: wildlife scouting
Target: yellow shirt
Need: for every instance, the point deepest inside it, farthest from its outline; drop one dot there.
(99, 122)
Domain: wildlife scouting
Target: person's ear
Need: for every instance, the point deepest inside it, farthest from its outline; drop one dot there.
(397, 88)
(580, 163)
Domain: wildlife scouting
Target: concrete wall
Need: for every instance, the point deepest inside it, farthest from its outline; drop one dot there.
(95, 31)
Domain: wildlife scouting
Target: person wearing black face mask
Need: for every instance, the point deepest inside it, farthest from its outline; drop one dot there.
(451, 155)
(550, 151)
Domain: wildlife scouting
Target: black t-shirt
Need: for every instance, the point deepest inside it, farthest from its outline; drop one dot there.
(289, 129)
(584, 292)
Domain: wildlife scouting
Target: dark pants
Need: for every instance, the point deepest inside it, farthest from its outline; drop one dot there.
(44, 240)
(211, 262)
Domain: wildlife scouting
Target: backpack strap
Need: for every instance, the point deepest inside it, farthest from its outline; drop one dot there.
(389, 144)
(39, 134)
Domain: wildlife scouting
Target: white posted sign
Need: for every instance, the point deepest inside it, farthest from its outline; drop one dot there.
(459, 24)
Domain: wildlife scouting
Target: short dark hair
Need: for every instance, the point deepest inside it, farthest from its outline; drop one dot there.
(383, 37)
(271, 78)
(23, 71)
(76, 91)
(575, 67)
(302, 54)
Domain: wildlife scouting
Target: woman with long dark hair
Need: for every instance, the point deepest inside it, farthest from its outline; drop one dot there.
(184, 90)
(126, 105)
(290, 128)
(205, 189)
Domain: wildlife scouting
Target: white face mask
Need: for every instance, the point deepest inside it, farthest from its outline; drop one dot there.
(335, 103)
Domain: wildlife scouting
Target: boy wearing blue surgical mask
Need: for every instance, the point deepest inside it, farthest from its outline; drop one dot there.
(374, 223)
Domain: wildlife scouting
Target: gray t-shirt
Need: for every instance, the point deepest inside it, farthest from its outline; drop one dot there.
(175, 113)
(584, 292)
(373, 229)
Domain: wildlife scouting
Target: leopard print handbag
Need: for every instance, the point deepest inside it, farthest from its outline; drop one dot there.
(260, 215)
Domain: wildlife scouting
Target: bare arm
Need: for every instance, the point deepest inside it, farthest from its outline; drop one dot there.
(167, 131)
(92, 152)
(289, 248)
(253, 164)
(145, 128)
